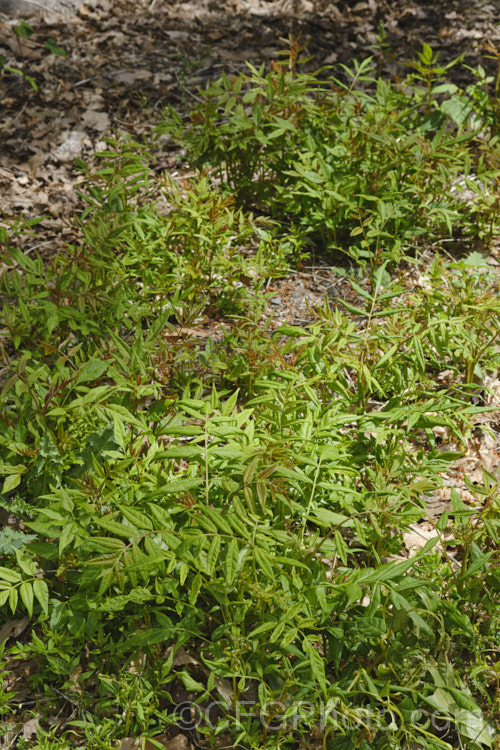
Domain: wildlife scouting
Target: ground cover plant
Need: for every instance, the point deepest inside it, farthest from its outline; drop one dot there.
(207, 532)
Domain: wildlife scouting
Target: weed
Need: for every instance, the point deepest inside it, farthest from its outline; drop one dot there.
(23, 30)
(211, 533)
(362, 167)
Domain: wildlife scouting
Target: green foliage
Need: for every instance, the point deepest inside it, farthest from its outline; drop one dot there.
(356, 165)
(24, 31)
(222, 517)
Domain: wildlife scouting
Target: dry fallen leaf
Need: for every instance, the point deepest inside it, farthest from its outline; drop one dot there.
(438, 502)
(225, 689)
(488, 458)
(129, 743)
(182, 657)
(179, 742)
(417, 538)
(419, 535)
(30, 728)
(13, 628)
(96, 120)
(131, 76)
(196, 332)
(71, 146)
(75, 680)
(26, 49)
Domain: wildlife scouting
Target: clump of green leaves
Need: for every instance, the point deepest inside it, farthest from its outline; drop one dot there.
(356, 165)
(224, 519)
(23, 30)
